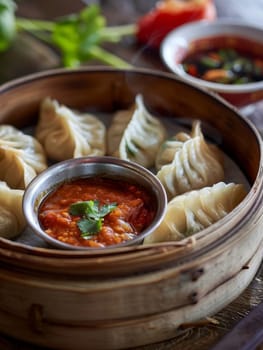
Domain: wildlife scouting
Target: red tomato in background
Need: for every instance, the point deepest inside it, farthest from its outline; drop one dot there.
(169, 14)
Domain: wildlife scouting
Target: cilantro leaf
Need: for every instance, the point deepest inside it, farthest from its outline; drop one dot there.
(92, 216)
(75, 35)
(107, 208)
(92, 210)
(78, 208)
(89, 227)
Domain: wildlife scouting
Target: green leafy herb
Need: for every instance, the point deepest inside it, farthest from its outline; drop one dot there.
(78, 37)
(7, 23)
(92, 216)
(89, 227)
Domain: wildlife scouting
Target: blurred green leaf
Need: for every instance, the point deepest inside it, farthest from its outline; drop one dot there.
(7, 23)
(75, 35)
(78, 37)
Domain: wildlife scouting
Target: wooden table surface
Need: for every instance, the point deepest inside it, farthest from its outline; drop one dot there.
(24, 61)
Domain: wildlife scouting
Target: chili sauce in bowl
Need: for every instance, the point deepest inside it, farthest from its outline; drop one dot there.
(96, 212)
(224, 56)
(94, 203)
(224, 65)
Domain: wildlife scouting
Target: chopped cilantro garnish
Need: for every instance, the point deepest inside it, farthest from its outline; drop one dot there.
(92, 216)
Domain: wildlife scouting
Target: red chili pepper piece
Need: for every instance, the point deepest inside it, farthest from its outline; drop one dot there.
(169, 14)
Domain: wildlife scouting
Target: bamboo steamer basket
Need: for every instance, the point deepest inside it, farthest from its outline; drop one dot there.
(132, 296)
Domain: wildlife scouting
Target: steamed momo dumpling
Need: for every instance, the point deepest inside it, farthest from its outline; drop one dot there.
(12, 220)
(193, 211)
(115, 132)
(197, 164)
(21, 157)
(136, 135)
(66, 134)
(166, 152)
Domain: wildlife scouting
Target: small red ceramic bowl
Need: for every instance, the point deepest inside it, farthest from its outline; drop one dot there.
(202, 36)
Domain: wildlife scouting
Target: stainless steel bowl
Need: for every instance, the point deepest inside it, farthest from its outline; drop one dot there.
(113, 168)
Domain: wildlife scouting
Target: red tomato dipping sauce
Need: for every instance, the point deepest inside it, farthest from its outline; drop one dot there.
(96, 212)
